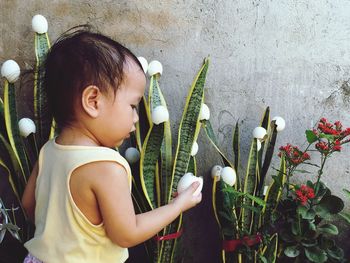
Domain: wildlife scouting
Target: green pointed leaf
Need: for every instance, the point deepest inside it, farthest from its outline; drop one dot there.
(250, 184)
(274, 192)
(3, 131)
(268, 157)
(224, 206)
(270, 252)
(43, 117)
(211, 136)
(192, 167)
(156, 98)
(12, 128)
(188, 132)
(148, 162)
(236, 147)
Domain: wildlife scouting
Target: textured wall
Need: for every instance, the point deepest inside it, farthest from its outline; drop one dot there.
(291, 55)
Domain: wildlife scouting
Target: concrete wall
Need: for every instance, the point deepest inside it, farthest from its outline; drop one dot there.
(293, 56)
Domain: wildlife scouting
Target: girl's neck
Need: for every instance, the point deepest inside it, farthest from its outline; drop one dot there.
(73, 135)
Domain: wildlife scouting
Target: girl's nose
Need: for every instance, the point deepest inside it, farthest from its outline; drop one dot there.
(135, 116)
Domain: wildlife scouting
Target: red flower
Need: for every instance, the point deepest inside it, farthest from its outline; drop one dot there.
(293, 155)
(304, 193)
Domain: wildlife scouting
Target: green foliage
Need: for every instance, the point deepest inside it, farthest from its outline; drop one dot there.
(159, 173)
(18, 154)
(304, 214)
(344, 215)
(241, 210)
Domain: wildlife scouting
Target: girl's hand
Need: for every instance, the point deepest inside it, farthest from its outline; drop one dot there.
(186, 199)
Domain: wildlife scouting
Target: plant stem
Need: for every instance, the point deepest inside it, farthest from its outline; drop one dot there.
(320, 172)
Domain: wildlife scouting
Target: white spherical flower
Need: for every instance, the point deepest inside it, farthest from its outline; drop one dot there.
(132, 155)
(280, 122)
(10, 70)
(26, 127)
(186, 180)
(228, 175)
(258, 145)
(259, 133)
(216, 171)
(204, 114)
(194, 149)
(39, 24)
(155, 67)
(144, 63)
(160, 114)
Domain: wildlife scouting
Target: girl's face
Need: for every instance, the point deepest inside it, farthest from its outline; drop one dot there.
(120, 112)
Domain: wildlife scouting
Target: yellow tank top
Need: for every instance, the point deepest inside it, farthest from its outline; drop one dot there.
(63, 234)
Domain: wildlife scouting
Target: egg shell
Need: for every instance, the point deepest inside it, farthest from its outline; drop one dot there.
(216, 171)
(228, 175)
(144, 63)
(39, 24)
(186, 181)
(280, 122)
(204, 113)
(10, 70)
(259, 133)
(155, 67)
(132, 155)
(194, 149)
(26, 126)
(160, 114)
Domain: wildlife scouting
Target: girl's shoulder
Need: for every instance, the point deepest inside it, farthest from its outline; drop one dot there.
(78, 155)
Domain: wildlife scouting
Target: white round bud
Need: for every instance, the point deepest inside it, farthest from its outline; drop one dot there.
(280, 122)
(194, 149)
(216, 171)
(39, 24)
(26, 126)
(10, 70)
(260, 133)
(155, 67)
(160, 114)
(204, 114)
(144, 63)
(186, 180)
(132, 155)
(228, 175)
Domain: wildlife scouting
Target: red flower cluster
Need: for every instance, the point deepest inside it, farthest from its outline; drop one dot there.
(327, 147)
(304, 193)
(335, 129)
(293, 155)
(338, 133)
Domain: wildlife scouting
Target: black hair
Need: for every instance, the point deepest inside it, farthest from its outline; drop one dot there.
(79, 58)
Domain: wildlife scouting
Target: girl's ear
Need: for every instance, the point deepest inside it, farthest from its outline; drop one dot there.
(91, 100)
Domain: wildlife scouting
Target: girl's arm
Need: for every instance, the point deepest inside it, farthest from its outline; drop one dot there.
(122, 225)
(28, 198)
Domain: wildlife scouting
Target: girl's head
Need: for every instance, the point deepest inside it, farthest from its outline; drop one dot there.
(85, 73)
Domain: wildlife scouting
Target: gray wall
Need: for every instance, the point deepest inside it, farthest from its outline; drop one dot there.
(293, 56)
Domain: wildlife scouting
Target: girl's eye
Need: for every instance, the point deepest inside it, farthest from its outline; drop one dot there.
(134, 107)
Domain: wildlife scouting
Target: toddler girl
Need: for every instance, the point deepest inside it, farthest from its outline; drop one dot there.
(79, 191)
